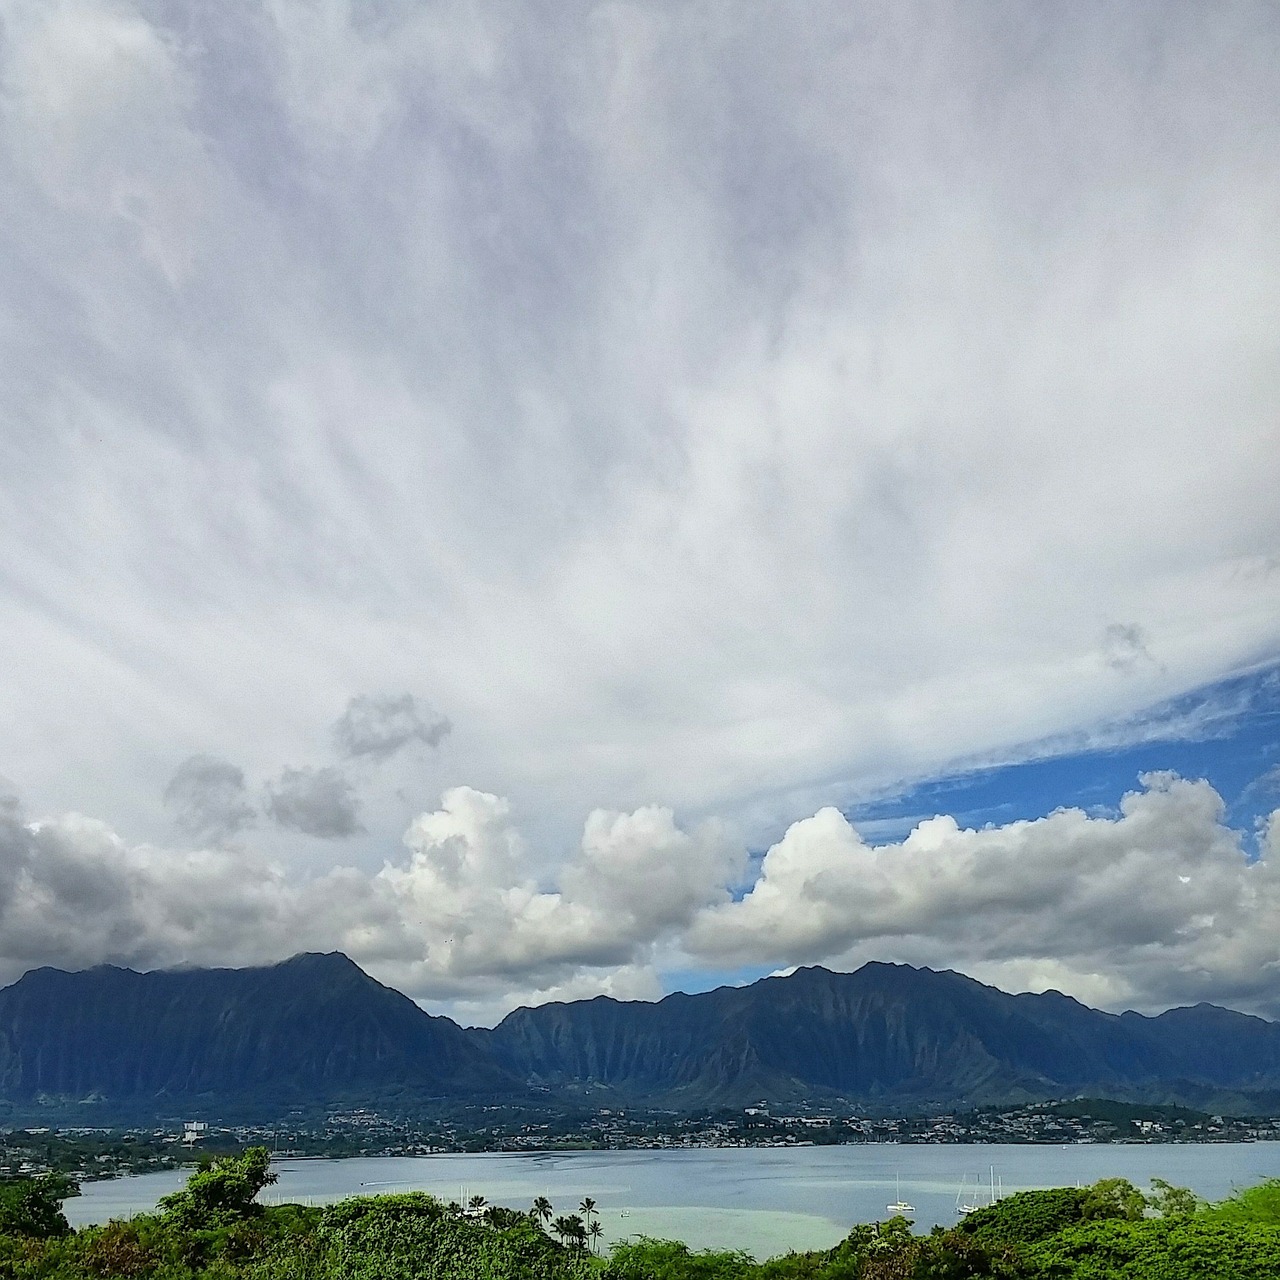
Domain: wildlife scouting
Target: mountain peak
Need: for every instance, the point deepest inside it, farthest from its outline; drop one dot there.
(320, 961)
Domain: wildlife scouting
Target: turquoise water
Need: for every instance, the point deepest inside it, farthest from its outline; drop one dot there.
(765, 1200)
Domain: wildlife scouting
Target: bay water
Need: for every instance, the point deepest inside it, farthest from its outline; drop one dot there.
(765, 1200)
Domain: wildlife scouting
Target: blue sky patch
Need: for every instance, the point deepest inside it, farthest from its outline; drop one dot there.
(1227, 732)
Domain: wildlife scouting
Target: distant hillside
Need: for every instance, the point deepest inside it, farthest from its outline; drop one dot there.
(315, 1026)
(317, 1029)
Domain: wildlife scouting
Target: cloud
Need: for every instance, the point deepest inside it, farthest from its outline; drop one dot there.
(1125, 646)
(634, 879)
(380, 726)
(735, 416)
(208, 799)
(459, 919)
(1265, 784)
(1158, 905)
(316, 802)
(73, 894)
(93, 115)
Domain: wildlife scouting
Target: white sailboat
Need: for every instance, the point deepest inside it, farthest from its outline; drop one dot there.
(971, 1201)
(900, 1205)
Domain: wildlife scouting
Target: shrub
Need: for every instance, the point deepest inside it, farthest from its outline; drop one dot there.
(649, 1259)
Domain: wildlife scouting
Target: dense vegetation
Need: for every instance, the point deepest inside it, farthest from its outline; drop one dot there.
(214, 1229)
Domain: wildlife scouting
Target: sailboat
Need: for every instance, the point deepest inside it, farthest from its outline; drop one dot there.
(900, 1205)
(971, 1201)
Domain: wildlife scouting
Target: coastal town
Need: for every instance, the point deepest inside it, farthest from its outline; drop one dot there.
(94, 1153)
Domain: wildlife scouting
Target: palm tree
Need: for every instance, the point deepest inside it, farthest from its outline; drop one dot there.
(595, 1231)
(542, 1209)
(475, 1206)
(587, 1208)
(563, 1228)
(576, 1231)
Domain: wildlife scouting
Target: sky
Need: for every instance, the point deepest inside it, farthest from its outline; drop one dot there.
(568, 498)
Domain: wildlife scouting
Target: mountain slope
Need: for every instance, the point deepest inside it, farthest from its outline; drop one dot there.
(887, 1033)
(314, 1026)
(316, 1029)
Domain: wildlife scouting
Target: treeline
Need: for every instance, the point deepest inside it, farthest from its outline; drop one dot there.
(214, 1229)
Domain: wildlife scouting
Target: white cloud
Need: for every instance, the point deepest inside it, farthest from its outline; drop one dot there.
(458, 921)
(635, 879)
(96, 110)
(730, 417)
(1158, 905)
(1124, 646)
(73, 894)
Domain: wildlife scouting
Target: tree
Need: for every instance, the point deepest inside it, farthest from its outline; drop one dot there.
(595, 1231)
(33, 1206)
(1113, 1198)
(577, 1231)
(1172, 1202)
(542, 1209)
(570, 1230)
(222, 1194)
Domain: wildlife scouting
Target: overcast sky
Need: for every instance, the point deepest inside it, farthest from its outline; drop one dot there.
(504, 490)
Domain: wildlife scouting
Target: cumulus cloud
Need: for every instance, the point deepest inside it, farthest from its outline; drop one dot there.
(1159, 904)
(208, 798)
(316, 802)
(380, 726)
(1156, 905)
(634, 879)
(458, 919)
(74, 894)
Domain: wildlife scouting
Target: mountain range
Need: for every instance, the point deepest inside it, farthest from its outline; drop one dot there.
(316, 1029)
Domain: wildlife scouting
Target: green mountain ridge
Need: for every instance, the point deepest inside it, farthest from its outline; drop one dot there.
(313, 1026)
(316, 1028)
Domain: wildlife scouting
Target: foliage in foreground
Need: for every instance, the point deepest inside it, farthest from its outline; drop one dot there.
(214, 1229)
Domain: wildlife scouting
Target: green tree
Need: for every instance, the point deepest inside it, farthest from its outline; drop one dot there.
(221, 1195)
(1260, 1204)
(570, 1230)
(1185, 1248)
(1113, 1198)
(648, 1259)
(1173, 1202)
(33, 1206)
(1027, 1216)
(542, 1210)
